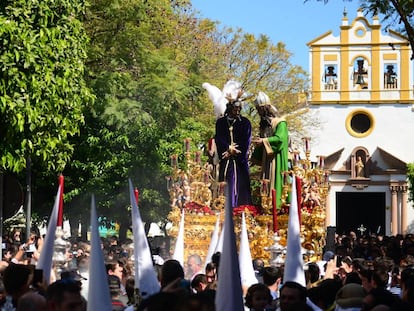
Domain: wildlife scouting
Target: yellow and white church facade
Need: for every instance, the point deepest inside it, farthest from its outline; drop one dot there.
(362, 95)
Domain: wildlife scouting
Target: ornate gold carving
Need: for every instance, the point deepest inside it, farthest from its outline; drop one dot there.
(195, 189)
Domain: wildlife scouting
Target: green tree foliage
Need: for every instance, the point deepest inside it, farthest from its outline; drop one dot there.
(146, 63)
(144, 87)
(395, 12)
(42, 49)
(262, 66)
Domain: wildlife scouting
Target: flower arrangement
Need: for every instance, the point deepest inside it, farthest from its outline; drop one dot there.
(254, 210)
(196, 208)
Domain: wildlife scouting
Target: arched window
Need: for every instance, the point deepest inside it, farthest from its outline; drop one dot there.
(331, 77)
(360, 75)
(390, 76)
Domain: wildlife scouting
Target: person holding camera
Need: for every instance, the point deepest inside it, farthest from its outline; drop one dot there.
(29, 252)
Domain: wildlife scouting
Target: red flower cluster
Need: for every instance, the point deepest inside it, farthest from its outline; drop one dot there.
(254, 210)
(196, 208)
(284, 209)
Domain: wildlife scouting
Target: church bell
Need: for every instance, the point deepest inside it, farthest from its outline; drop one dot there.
(360, 79)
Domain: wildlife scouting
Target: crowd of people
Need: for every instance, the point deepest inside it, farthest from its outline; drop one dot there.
(23, 288)
(366, 272)
(360, 273)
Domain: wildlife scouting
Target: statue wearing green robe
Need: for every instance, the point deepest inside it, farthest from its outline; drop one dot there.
(272, 148)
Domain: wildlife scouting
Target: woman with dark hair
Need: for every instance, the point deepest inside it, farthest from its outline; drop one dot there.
(258, 297)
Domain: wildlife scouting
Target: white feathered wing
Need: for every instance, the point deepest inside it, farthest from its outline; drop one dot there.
(217, 97)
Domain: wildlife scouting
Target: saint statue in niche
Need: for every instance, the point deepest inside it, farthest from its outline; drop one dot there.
(359, 168)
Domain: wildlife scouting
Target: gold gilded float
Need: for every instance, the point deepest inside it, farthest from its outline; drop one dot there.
(193, 188)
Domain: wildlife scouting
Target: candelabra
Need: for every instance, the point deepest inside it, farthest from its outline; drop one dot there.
(220, 199)
(265, 197)
(277, 252)
(313, 190)
(191, 183)
(193, 187)
(60, 249)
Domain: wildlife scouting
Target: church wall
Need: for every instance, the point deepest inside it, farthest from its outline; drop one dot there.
(392, 133)
(360, 34)
(371, 85)
(392, 130)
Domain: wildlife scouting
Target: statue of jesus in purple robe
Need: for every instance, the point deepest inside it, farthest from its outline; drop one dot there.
(233, 135)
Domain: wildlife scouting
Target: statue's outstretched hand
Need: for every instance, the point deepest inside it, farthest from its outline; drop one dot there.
(231, 151)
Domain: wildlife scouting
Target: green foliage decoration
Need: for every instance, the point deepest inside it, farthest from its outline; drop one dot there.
(42, 88)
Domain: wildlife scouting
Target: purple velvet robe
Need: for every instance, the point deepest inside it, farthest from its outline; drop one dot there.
(235, 170)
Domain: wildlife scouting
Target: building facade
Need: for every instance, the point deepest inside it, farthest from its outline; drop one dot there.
(362, 95)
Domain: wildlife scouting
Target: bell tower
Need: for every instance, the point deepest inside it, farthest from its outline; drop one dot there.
(362, 100)
(362, 64)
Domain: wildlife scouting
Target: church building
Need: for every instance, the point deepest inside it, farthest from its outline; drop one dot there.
(361, 94)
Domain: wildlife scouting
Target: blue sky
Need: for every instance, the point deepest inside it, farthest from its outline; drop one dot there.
(292, 22)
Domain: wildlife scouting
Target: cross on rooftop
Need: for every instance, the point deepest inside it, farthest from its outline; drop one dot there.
(362, 229)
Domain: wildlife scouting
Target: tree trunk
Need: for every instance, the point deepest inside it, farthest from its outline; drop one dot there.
(74, 226)
(123, 230)
(84, 230)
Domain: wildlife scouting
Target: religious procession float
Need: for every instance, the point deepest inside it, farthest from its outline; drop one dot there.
(195, 189)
